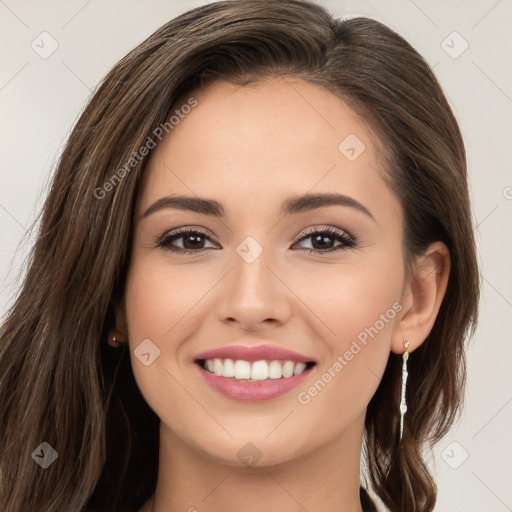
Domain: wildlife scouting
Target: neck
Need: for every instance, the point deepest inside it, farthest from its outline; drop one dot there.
(324, 480)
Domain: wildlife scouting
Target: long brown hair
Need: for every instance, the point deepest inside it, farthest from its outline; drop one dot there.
(62, 384)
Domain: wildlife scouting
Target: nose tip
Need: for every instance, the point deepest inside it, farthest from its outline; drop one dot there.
(252, 295)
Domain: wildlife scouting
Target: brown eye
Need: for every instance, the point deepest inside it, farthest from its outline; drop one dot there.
(327, 240)
(191, 241)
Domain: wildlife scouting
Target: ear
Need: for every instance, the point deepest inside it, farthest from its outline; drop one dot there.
(423, 293)
(119, 331)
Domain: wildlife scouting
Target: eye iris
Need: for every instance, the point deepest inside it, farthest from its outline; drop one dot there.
(323, 240)
(197, 241)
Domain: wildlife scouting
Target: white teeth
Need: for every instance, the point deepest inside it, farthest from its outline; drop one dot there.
(255, 371)
(259, 370)
(299, 368)
(217, 367)
(288, 369)
(242, 370)
(229, 368)
(274, 370)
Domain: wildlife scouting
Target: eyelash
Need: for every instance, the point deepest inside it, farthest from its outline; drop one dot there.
(348, 241)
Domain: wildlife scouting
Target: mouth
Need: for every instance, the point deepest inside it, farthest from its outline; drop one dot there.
(253, 374)
(254, 371)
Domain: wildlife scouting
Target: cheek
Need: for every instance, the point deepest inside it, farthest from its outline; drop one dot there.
(159, 307)
(359, 305)
(158, 297)
(356, 297)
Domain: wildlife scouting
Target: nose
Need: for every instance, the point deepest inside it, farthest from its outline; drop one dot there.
(253, 296)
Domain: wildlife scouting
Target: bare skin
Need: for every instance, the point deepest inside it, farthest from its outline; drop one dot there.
(251, 148)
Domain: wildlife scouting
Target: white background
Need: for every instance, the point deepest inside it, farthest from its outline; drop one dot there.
(41, 98)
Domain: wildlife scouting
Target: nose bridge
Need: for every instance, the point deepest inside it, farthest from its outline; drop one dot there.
(252, 293)
(252, 279)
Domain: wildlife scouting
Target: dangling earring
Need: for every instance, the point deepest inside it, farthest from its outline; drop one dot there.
(403, 405)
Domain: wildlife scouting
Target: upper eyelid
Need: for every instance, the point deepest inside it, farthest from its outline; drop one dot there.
(315, 229)
(184, 230)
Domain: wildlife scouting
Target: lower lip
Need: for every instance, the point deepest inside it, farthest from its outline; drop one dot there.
(258, 391)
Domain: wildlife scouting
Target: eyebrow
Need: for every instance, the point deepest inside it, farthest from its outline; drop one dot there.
(292, 205)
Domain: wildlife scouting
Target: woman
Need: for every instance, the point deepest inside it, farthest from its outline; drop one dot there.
(255, 264)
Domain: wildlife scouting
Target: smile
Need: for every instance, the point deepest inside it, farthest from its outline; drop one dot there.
(253, 371)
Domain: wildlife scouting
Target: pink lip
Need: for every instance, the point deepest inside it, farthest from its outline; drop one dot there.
(258, 391)
(257, 353)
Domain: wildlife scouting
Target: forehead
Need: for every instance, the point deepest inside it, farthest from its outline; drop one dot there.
(263, 142)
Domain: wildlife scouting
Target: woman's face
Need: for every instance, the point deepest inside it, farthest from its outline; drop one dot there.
(250, 280)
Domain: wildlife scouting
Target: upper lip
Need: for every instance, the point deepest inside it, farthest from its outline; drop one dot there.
(253, 353)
